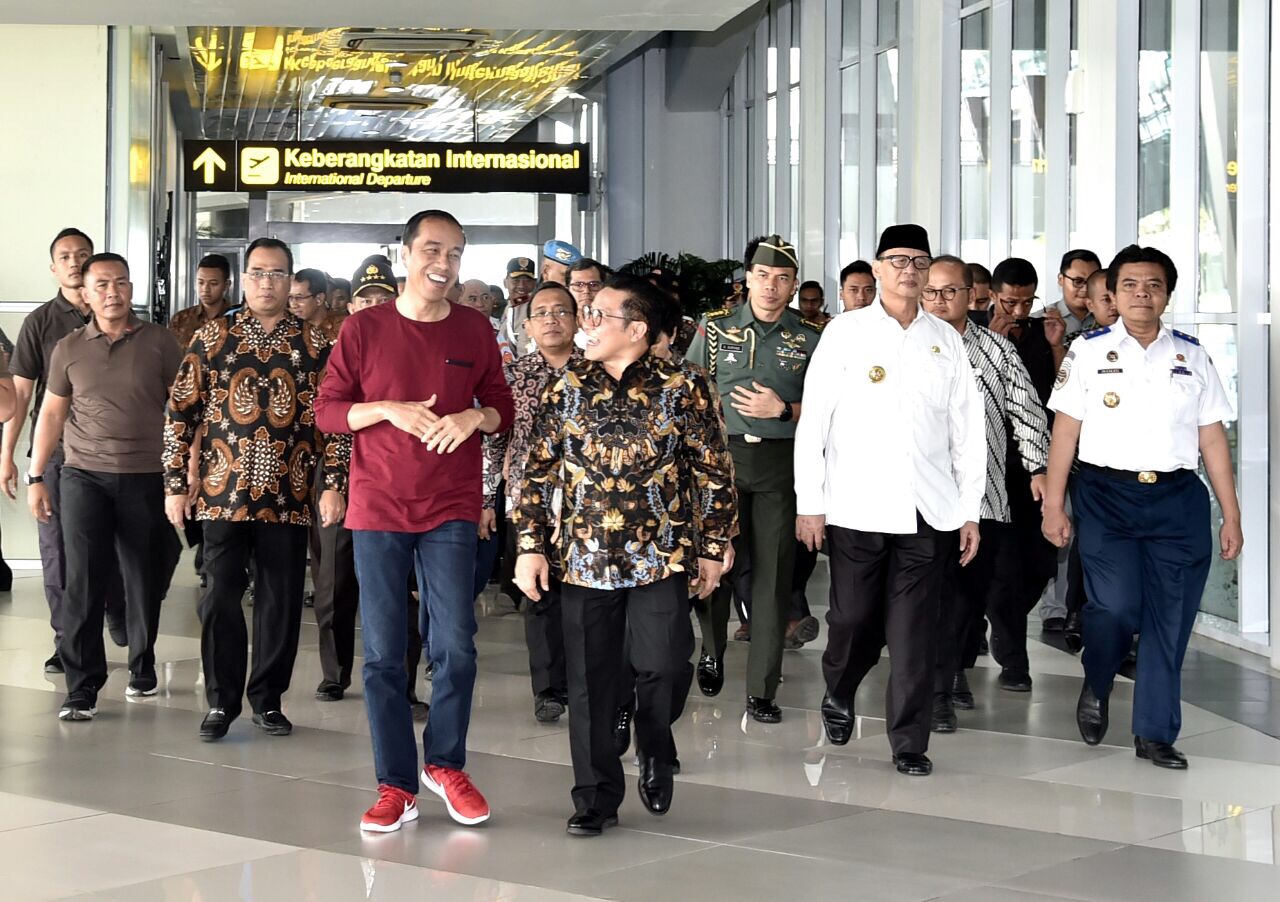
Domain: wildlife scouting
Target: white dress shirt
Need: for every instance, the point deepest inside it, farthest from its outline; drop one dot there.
(1139, 408)
(892, 424)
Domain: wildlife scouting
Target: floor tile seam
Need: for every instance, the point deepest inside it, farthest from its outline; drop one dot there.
(117, 887)
(1123, 792)
(247, 770)
(60, 820)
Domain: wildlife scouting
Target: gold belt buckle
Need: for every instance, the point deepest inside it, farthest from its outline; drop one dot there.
(755, 440)
(1147, 477)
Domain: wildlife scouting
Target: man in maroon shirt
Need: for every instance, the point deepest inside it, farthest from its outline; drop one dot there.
(404, 378)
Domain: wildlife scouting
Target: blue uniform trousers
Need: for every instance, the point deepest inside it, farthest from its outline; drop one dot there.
(1146, 552)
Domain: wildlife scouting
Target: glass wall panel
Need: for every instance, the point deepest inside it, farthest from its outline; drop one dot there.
(1027, 157)
(975, 138)
(1222, 592)
(771, 170)
(886, 139)
(1219, 40)
(849, 138)
(850, 28)
(887, 22)
(794, 117)
(1155, 107)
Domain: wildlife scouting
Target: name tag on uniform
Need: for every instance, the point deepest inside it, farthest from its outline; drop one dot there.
(1112, 370)
(1182, 371)
(735, 349)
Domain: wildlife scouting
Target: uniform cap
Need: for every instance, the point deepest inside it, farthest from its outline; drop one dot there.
(374, 271)
(775, 251)
(561, 252)
(520, 266)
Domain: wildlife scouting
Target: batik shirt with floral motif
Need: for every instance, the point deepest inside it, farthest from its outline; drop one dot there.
(253, 391)
(631, 477)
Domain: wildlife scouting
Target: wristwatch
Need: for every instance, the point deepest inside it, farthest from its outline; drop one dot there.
(32, 480)
(787, 412)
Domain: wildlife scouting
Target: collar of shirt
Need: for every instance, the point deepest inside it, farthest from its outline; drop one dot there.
(1123, 337)
(91, 330)
(249, 320)
(881, 316)
(62, 305)
(748, 317)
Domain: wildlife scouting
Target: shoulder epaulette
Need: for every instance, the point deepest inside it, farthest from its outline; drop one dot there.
(1189, 339)
(1094, 333)
(814, 324)
(718, 313)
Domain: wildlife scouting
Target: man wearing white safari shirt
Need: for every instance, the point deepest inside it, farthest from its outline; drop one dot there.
(890, 467)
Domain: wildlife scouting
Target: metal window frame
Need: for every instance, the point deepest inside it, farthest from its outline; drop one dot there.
(782, 129)
(1273, 276)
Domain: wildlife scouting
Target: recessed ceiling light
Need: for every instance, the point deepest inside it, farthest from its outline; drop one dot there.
(396, 64)
(371, 131)
(393, 89)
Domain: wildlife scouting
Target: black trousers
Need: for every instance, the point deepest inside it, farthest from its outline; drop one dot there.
(337, 600)
(983, 589)
(544, 634)
(112, 523)
(885, 589)
(280, 552)
(598, 623)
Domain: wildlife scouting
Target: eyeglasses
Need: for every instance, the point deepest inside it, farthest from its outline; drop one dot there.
(300, 297)
(1076, 281)
(272, 275)
(558, 313)
(947, 294)
(579, 287)
(902, 261)
(593, 317)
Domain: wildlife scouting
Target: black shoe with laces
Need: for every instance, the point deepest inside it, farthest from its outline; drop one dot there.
(329, 691)
(622, 730)
(961, 694)
(273, 723)
(547, 707)
(54, 664)
(763, 710)
(944, 714)
(78, 706)
(142, 685)
(710, 675)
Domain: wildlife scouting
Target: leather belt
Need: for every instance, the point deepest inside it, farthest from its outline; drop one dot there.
(1146, 477)
(756, 439)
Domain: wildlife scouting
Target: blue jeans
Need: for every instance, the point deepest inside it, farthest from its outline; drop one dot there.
(444, 559)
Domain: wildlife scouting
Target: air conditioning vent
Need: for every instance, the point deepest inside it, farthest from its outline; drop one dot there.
(372, 40)
(376, 104)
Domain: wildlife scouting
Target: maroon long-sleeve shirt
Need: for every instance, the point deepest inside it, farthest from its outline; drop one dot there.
(396, 484)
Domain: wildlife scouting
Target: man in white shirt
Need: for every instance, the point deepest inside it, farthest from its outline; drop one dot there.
(890, 464)
(1145, 404)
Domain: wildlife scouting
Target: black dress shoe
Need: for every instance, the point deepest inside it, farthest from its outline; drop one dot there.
(1015, 680)
(54, 664)
(1161, 754)
(944, 714)
(837, 719)
(656, 785)
(1054, 624)
(215, 724)
(329, 691)
(913, 764)
(1091, 716)
(622, 731)
(590, 823)
(984, 647)
(1072, 632)
(710, 675)
(273, 723)
(763, 709)
(309, 599)
(547, 707)
(116, 629)
(961, 694)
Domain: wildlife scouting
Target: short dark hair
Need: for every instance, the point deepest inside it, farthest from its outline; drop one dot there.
(856, 268)
(1014, 271)
(812, 283)
(952, 260)
(752, 246)
(585, 263)
(344, 284)
(552, 285)
(269, 244)
(980, 274)
(1135, 254)
(417, 219)
(642, 302)
(317, 282)
(672, 316)
(104, 257)
(1084, 255)
(69, 233)
(216, 261)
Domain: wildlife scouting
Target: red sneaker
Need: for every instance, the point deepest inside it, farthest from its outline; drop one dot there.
(465, 803)
(393, 808)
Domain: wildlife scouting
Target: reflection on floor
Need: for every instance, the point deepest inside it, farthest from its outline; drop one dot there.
(132, 806)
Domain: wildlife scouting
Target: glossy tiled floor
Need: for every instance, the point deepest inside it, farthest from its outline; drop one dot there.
(133, 806)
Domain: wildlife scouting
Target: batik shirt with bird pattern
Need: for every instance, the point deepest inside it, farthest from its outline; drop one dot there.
(627, 481)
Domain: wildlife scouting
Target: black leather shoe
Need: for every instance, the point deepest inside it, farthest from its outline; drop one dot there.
(1015, 680)
(1161, 754)
(590, 823)
(622, 731)
(273, 723)
(656, 785)
(984, 647)
(710, 675)
(1054, 624)
(1091, 716)
(1072, 633)
(913, 764)
(961, 694)
(547, 707)
(215, 725)
(329, 691)
(944, 714)
(763, 709)
(837, 719)
(116, 629)
(54, 664)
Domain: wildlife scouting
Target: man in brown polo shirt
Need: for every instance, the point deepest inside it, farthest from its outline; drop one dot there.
(213, 280)
(105, 400)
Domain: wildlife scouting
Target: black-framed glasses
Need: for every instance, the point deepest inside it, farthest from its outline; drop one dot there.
(1076, 281)
(902, 261)
(579, 287)
(947, 294)
(270, 275)
(558, 313)
(593, 318)
(301, 297)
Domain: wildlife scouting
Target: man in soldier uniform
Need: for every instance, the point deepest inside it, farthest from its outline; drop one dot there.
(757, 356)
(513, 341)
